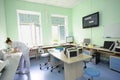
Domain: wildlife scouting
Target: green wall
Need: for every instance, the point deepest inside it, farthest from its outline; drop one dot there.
(2, 25)
(46, 11)
(109, 14)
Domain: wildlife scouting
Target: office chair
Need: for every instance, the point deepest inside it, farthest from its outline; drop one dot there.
(56, 63)
(92, 72)
(45, 57)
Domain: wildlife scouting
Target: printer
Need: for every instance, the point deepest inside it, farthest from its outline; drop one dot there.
(73, 52)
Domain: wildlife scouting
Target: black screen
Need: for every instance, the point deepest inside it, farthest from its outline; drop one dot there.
(109, 45)
(73, 53)
(91, 20)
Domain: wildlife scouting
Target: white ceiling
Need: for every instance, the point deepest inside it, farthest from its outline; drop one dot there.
(60, 3)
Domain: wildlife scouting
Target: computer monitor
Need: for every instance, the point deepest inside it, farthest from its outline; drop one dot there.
(69, 39)
(109, 45)
(86, 41)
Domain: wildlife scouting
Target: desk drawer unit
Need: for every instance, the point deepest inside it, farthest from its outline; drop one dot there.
(115, 63)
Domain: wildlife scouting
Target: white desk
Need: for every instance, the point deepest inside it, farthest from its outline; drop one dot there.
(34, 50)
(73, 68)
(101, 50)
(12, 61)
(2, 65)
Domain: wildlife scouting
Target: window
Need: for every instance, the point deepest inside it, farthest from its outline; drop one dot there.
(29, 28)
(59, 28)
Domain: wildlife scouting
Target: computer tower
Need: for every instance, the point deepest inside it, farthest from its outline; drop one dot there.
(96, 58)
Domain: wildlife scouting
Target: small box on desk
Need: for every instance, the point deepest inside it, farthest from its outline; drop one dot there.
(117, 49)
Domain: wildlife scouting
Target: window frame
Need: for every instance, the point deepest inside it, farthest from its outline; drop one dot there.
(31, 13)
(65, 25)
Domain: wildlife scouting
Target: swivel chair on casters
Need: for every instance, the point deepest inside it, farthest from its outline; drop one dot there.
(56, 63)
(92, 72)
(88, 60)
(46, 56)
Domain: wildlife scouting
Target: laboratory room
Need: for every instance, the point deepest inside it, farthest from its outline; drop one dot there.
(59, 40)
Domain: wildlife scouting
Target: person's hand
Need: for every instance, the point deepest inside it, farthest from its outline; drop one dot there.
(14, 51)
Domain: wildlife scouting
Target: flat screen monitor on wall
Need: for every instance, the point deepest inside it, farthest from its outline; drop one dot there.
(91, 20)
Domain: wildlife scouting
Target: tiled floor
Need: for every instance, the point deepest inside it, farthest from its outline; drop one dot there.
(37, 74)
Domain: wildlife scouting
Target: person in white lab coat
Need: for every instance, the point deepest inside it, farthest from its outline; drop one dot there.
(19, 46)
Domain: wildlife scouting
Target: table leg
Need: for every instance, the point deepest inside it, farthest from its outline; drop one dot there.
(73, 71)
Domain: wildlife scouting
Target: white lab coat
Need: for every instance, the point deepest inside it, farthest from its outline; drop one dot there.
(25, 53)
(20, 46)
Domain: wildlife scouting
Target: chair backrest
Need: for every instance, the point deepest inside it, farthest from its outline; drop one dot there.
(40, 50)
(86, 52)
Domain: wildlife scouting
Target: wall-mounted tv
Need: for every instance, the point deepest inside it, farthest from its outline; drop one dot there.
(91, 20)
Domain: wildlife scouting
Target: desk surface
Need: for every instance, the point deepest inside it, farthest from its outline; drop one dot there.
(51, 46)
(8, 55)
(102, 49)
(62, 57)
